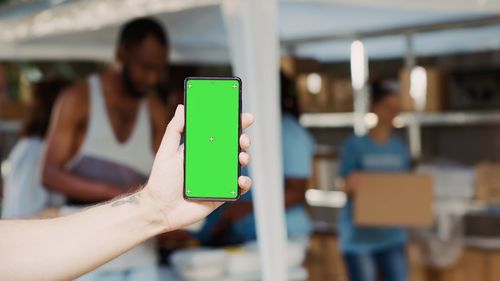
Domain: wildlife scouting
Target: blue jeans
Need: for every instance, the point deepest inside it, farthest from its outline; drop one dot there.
(389, 265)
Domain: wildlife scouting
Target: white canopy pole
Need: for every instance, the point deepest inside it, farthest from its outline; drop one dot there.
(251, 26)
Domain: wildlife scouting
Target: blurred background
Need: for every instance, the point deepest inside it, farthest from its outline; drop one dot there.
(367, 88)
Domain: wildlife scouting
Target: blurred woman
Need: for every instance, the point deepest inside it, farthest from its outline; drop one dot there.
(371, 253)
(23, 193)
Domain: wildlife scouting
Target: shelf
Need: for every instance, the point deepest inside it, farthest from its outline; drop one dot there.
(456, 118)
(10, 125)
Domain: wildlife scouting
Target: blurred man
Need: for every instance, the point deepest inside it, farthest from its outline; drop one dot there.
(105, 131)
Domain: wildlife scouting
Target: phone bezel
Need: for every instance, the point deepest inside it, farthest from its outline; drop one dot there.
(222, 199)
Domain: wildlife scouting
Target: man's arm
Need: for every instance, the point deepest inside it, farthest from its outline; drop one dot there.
(349, 167)
(67, 247)
(295, 191)
(69, 112)
(159, 118)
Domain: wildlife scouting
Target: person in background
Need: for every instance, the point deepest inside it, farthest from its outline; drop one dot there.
(24, 194)
(371, 253)
(235, 223)
(104, 134)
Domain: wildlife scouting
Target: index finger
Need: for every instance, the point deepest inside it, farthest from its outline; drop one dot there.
(247, 120)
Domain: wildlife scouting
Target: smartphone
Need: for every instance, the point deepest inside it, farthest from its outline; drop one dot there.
(211, 138)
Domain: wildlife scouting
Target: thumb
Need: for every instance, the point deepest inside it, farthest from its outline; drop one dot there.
(172, 137)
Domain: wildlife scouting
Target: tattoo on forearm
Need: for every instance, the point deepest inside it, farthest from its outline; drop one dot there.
(132, 199)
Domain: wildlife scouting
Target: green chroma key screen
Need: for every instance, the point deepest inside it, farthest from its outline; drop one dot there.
(212, 138)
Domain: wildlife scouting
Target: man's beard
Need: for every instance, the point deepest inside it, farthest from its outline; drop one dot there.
(131, 90)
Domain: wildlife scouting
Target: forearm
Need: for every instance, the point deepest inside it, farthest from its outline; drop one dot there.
(295, 191)
(66, 247)
(294, 196)
(76, 187)
(351, 183)
(347, 187)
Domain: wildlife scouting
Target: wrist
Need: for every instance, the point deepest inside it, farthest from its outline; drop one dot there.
(154, 213)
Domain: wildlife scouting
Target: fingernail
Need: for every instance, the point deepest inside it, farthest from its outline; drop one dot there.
(177, 109)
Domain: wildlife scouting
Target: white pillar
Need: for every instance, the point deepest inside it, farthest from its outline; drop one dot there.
(359, 77)
(251, 27)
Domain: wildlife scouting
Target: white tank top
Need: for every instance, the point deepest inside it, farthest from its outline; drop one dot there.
(103, 158)
(100, 140)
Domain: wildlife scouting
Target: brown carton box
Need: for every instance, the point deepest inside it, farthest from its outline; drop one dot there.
(13, 110)
(416, 263)
(342, 95)
(436, 90)
(488, 182)
(474, 265)
(492, 266)
(324, 260)
(394, 200)
(293, 66)
(314, 102)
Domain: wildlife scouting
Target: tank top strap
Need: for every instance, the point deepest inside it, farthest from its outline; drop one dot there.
(98, 127)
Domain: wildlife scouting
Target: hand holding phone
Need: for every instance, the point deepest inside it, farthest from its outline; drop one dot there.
(164, 189)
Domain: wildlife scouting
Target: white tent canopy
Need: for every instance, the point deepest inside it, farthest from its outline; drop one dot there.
(86, 29)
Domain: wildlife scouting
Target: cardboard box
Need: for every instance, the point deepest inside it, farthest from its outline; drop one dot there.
(436, 90)
(314, 102)
(394, 200)
(336, 94)
(324, 260)
(293, 66)
(416, 264)
(488, 182)
(342, 95)
(13, 110)
(474, 265)
(492, 267)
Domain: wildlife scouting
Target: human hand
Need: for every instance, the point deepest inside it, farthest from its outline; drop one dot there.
(236, 211)
(232, 213)
(352, 182)
(175, 236)
(164, 189)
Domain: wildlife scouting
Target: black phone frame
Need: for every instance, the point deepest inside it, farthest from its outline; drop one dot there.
(215, 199)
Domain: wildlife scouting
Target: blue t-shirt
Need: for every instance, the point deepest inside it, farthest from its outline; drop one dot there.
(364, 155)
(298, 148)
